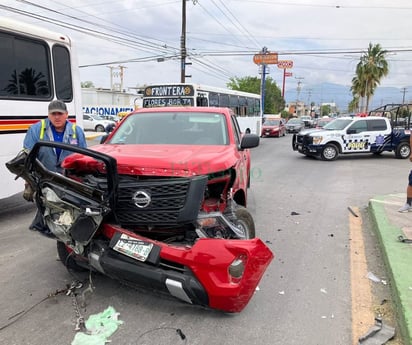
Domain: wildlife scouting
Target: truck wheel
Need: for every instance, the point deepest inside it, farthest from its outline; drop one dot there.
(244, 222)
(403, 150)
(100, 128)
(330, 152)
(66, 258)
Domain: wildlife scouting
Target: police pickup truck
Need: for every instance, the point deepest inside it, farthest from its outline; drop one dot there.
(344, 135)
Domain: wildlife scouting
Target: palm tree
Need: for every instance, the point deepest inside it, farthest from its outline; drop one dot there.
(371, 68)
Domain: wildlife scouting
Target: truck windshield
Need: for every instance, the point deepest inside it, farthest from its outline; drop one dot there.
(337, 124)
(172, 128)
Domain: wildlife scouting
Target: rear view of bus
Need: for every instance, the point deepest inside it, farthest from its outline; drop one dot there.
(36, 66)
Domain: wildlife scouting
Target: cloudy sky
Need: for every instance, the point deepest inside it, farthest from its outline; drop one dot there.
(323, 38)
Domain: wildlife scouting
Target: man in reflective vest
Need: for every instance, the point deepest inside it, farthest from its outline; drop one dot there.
(57, 128)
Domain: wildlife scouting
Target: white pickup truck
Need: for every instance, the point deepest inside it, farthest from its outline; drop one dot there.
(345, 135)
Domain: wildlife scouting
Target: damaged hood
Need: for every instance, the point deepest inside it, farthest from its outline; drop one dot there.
(162, 160)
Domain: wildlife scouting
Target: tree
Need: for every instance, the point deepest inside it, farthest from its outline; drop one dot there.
(86, 84)
(371, 68)
(274, 103)
(28, 82)
(325, 110)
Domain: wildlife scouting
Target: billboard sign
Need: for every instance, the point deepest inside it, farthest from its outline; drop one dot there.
(266, 59)
(285, 64)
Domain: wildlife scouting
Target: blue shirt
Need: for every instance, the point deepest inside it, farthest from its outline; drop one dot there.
(48, 156)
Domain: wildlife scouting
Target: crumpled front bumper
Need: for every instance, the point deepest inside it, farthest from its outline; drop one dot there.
(197, 274)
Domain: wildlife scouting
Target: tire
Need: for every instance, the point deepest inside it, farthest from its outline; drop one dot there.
(100, 128)
(245, 222)
(66, 259)
(403, 150)
(330, 152)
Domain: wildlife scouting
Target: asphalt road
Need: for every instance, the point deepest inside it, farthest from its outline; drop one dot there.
(304, 297)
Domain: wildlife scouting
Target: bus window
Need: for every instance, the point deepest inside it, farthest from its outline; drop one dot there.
(201, 102)
(213, 99)
(223, 100)
(25, 71)
(62, 73)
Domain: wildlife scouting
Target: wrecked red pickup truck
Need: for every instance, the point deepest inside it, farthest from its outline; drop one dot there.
(161, 203)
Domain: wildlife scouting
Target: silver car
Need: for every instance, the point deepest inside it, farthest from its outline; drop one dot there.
(294, 125)
(96, 123)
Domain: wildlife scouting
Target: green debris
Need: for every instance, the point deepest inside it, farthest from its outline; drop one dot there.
(99, 327)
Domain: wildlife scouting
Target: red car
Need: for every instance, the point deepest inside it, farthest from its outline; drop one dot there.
(273, 127)
(161, 203)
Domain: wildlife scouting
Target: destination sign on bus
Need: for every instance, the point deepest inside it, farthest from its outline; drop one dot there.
(167, 102)
(169, 91)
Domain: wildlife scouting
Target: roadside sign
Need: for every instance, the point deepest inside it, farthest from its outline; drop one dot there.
(288, 74)
(266, 59)
(285, 64)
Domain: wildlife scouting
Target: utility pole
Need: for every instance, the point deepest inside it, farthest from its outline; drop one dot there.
(183, 45)
(298, 92)
(263, 83)
(403, 97)
(121, 76)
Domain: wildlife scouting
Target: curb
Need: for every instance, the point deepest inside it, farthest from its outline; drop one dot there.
(94, 135)
(397, 257)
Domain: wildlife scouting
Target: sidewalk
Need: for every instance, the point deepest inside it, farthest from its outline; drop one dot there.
(390, 224)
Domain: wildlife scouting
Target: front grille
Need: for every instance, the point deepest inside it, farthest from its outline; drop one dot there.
(172, 201)
(304, 139)
(299, 139)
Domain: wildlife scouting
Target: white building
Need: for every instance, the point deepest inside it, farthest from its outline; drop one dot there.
(107, 102)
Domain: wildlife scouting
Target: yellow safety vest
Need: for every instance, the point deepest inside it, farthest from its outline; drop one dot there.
(43, 128)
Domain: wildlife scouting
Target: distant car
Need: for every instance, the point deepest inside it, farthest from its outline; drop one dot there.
(110, 117)
(294, 125)
(96, 123)
(273, 127)
(307, 120)
(323, 121)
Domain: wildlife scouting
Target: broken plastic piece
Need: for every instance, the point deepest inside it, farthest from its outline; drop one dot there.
(372, 277)
(99, 328)
(379, 334)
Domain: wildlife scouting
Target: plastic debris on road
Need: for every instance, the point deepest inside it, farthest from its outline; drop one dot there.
(378, 334)
(375, 279)
(99, 328)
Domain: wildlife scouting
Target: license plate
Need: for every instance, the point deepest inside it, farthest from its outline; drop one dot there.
(133, 247)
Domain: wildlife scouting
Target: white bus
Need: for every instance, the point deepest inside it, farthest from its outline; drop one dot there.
(36, 67)
(245, 105)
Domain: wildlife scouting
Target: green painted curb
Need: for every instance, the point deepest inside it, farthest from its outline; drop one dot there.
(398, 259)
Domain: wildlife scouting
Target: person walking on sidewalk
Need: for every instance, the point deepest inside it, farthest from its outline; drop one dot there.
(408, 205)
(55, 128)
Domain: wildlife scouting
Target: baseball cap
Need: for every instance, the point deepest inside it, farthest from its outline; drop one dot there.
(57, 107)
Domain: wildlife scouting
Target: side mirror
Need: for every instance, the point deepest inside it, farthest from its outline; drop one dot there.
(249, 141)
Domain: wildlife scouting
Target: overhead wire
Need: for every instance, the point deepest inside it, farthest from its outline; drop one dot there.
(134, 36)
(238, 25)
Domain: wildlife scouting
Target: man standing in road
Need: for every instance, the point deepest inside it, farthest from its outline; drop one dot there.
(55, 128)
